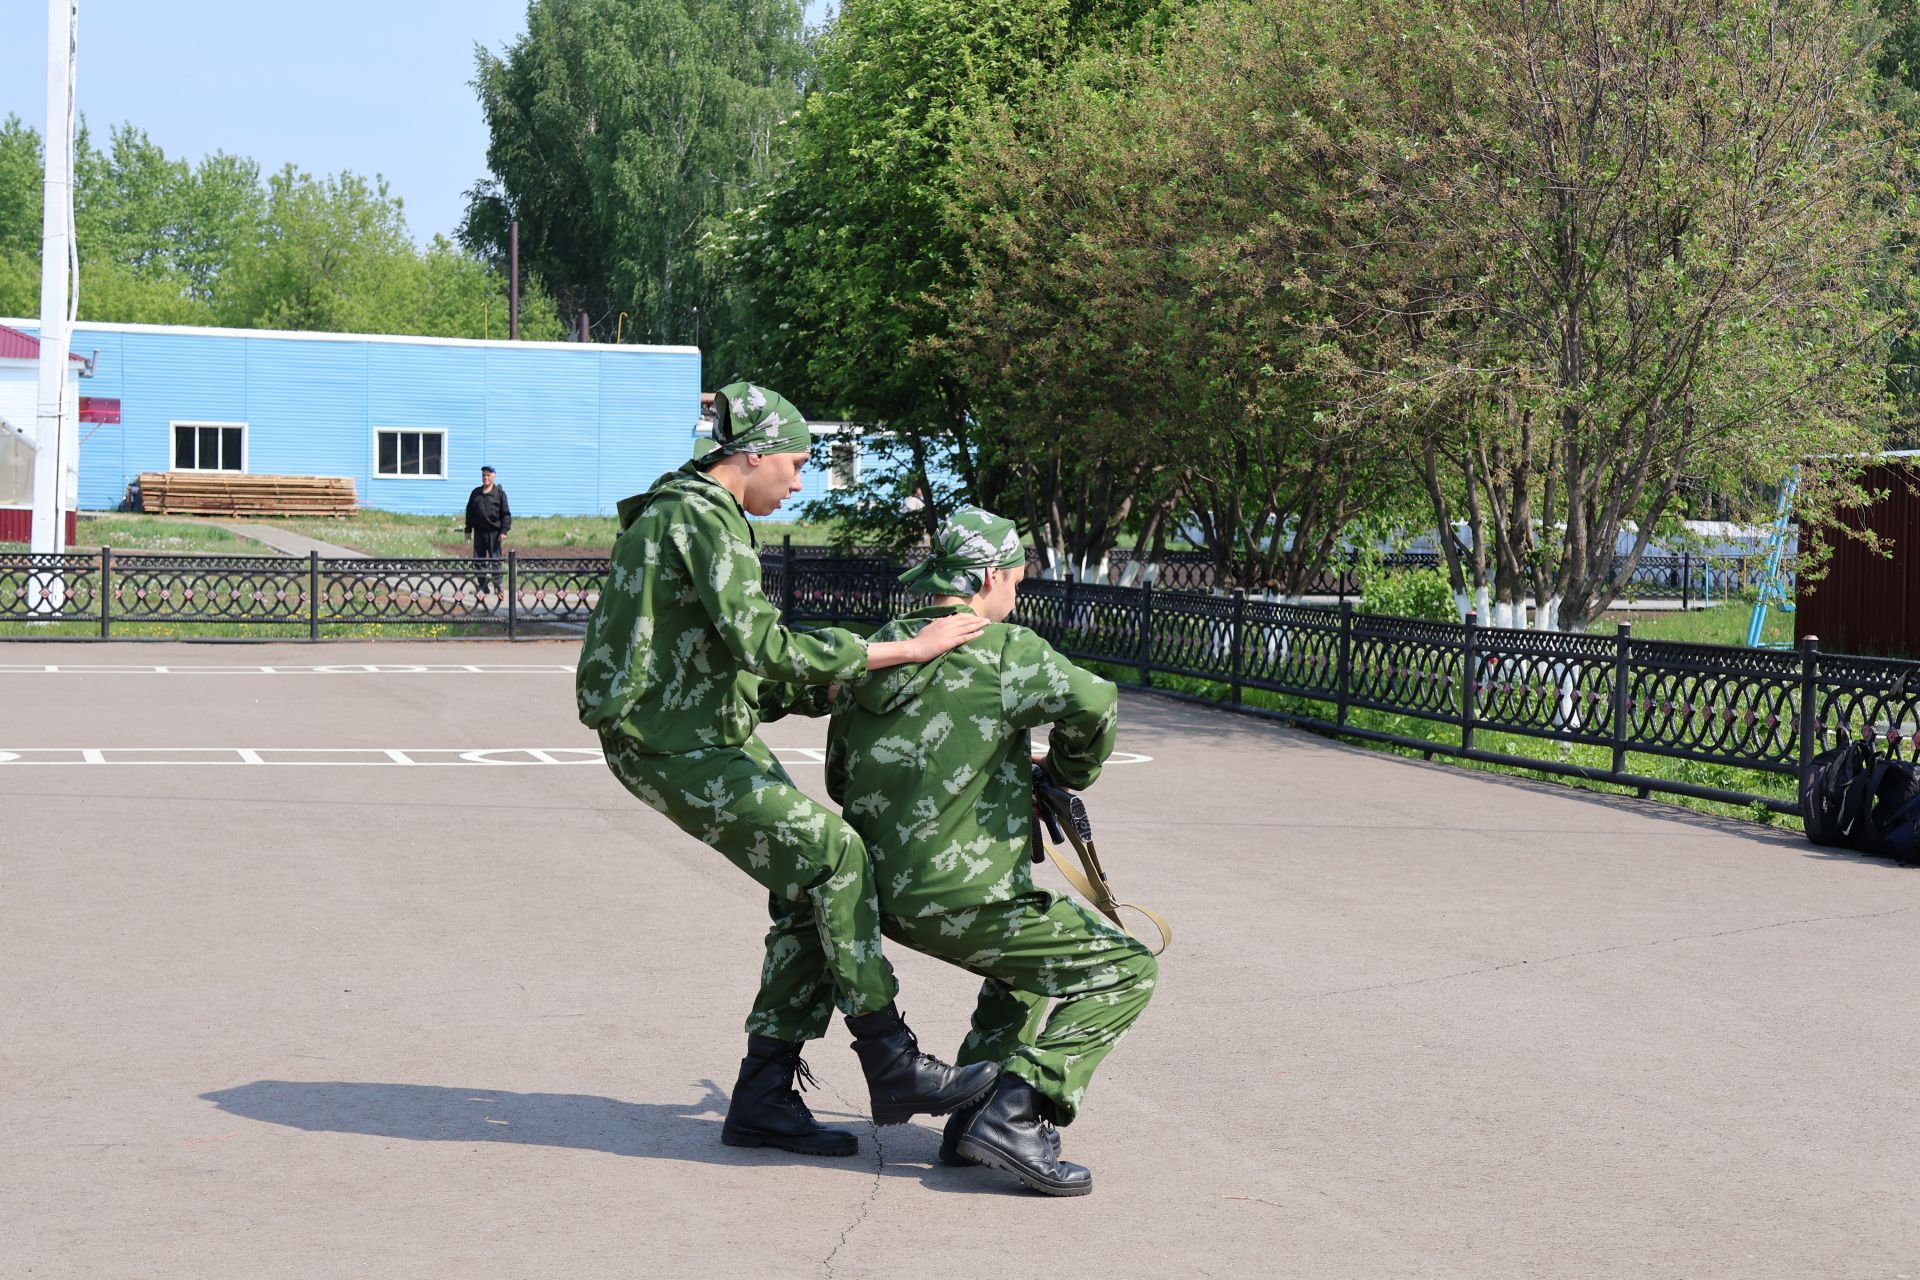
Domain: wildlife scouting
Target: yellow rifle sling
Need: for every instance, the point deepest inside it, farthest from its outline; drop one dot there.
(1089, 880)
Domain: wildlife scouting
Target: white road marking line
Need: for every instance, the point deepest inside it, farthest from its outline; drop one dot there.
(346, 669)
(368, 757)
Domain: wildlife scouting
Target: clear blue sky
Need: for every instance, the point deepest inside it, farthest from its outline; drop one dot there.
(376, 86)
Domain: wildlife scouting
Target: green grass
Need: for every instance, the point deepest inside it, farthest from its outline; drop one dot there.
(804, 533)
(156, 533)
(1598, 759)
(380, 533)
(1721, 624)
(387, 533)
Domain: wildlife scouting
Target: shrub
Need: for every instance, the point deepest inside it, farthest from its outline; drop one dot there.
(1423, 593)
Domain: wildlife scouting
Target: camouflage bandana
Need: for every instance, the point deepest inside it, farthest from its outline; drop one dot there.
(750, 419)
(970, 542)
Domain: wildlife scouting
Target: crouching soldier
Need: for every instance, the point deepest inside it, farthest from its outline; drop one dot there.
(680, 657)
(930, 762)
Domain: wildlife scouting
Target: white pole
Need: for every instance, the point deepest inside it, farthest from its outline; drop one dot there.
(51, 440)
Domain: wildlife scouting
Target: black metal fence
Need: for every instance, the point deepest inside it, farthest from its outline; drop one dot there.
(240, 593)
(1689, 578)
(1454, 685)
(1712, 705)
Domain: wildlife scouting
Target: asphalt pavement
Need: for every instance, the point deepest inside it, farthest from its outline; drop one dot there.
(352, 960)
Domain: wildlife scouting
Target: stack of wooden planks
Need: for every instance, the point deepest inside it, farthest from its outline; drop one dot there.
(213, 493)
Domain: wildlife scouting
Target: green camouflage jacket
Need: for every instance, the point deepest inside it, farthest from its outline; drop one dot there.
(684, 650)
(931, 763)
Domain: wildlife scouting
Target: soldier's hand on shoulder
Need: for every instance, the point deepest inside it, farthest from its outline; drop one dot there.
(942, 634)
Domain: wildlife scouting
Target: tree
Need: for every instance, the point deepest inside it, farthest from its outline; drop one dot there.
(335, 256)
(841, 267)
(20, 188)
(166, 242)
(620, 129)
(166, 224)
(1144, 341)
(1626, 251)
(327, 258)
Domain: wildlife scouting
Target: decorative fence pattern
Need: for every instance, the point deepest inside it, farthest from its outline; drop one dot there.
(1756, 709)
(1763, 710)
(509, 595)
(1686, 577)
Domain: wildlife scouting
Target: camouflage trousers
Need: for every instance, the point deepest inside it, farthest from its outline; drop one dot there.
(824, 946)
(1030, 950)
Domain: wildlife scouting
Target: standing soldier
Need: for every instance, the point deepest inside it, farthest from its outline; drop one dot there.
(683, 657)
(931, 764)
(488, 520)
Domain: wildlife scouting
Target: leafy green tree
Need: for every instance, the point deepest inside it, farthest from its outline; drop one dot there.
(166, 242)
(1138, 340)
(335, 256)
(19, 284)
(452, 293)
(1626, 251)
(326, 261)
(620, 129)
(20, 204)
(20, 188)
(843, 265)
(154, 228)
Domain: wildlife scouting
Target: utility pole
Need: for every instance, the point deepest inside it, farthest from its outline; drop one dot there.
(513, 281)
(53, 443)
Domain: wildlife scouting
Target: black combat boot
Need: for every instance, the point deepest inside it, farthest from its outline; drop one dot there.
(903, 1082)
(766, 1110)
(957, 1124)
(1008, 1133)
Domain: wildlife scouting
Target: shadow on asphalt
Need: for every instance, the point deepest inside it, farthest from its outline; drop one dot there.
(437, 1113)
(578, 1121)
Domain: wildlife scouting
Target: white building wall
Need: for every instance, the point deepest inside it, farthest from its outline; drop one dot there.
(20, 409)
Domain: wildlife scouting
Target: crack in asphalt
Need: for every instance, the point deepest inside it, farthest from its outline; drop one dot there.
(873, 1191)
(1599, 951)
(866, 1204)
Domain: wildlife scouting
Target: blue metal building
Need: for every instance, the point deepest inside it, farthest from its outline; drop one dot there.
(571, 427)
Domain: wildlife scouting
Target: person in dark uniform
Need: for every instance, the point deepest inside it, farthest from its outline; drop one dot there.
(488, 517)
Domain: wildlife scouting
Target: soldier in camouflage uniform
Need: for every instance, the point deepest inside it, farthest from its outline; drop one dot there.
(684, 655)
(930, 763)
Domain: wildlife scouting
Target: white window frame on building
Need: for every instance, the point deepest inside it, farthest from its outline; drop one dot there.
(841, 443)
(221, 435)
(843, 463)
(420, 451)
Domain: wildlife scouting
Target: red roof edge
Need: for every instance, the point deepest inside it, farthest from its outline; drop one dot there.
(15, 345)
